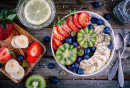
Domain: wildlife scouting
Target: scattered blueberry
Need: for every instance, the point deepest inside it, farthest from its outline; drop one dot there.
(46, 39)
(107, 16)
(111, 46)
(51, 66)
(75, 38)
(75, 70)
(69, 40)
(96, 4)
(75, 44)
(20, 57)
(87, 50)
(86, 56)
(69, 67)
(99, 22)
(80, 71)
(0, 65)
(93, 20)
(92, 48)
(54, 79)
(90, 26)
(107, 30)
(79, 59)
(73, 33)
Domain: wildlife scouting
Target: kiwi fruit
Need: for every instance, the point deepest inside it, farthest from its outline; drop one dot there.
(86, 37)
(66, 54)
(35, 81)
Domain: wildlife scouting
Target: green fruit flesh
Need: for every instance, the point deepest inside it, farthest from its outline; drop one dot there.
(86, 37)
(66, 54)
(35, 79)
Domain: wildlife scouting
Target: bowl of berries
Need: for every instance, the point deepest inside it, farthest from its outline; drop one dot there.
(83, 43)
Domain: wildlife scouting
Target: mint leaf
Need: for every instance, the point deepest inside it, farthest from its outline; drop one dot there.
(11, 17)
(70, 19)
(2, 12)
(11, 12)
(70, 11)
(5, 12)
(3, 24)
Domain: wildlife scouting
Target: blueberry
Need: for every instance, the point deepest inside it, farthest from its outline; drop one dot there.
(79, 59)
(20, 57)
(75, 44)
(111, 46)
(75, 65)
(93, 20)
(54, 79)
(75, 38)
(69, 40)
(46, 39)
(69, 67)
(86, 56)
(75, 70)
(87, 51)
(107, 30)
(90, 26)
(80, 71)
(107, 16)
(92, 48)
(51, 66)
(0, 65)
(99, 22)
(96, 4)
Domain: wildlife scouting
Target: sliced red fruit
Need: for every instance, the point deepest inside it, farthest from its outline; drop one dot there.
(75, 20)
(5, 54)
(66, 28)
(84, 19)
(54, 45)
(57, 42)
(71, 25)
(31, 59)
(56, 34)
(34, 49)
(62, 32)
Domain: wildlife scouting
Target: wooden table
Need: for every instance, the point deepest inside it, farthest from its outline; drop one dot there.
(70, 81)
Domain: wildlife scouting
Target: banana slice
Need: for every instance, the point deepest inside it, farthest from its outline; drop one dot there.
(19, 75)
(13, 42)
(99, 29)
(101, 58)
(22, 41)
(97, 63)
(12, 66)
(88, 66)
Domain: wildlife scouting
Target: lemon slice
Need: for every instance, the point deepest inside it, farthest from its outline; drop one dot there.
(37, 11)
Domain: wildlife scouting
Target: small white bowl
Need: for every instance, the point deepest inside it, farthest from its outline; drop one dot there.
(91, 14)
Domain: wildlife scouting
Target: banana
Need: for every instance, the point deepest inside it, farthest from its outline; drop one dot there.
(99, 29)
(18, 75)
(13, 42)
(88, 66)
(97, 63)
(12, 66)
(22, 41)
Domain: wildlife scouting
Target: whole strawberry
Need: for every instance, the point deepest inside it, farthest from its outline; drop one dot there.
(6, 23)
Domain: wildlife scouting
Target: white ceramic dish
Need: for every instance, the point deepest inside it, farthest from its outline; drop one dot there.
(91, 14)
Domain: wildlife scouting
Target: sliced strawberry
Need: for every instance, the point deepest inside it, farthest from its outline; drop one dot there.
(71, 25)
(34, 49)
(62, 32)
(66, 28)
(57, 42)
(84, 19)
(75, 20)
(31, 59)
(56, 34)
(54, 45)
(5, 54)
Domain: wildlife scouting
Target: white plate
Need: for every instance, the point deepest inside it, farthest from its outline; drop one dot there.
(91, 14)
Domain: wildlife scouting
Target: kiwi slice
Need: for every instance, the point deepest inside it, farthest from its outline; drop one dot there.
(66, 54)
(35, 81)
(80, 52)
(107, 38)
(86, 37)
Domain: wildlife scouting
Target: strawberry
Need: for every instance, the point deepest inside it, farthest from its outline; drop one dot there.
(75, 20)
(57, 42)
(6, 22)
(34, 49)
(71, 25)
(66, 28)
(54, 45)
(84, 19)
(57, 35)
(62, 32)
(31, 59)
(5, 53)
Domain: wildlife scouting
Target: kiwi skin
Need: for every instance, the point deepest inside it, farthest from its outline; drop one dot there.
(36, 78)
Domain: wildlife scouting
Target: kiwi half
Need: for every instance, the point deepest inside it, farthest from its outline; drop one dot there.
(86, 37)
(35, 81)
(66, 54)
